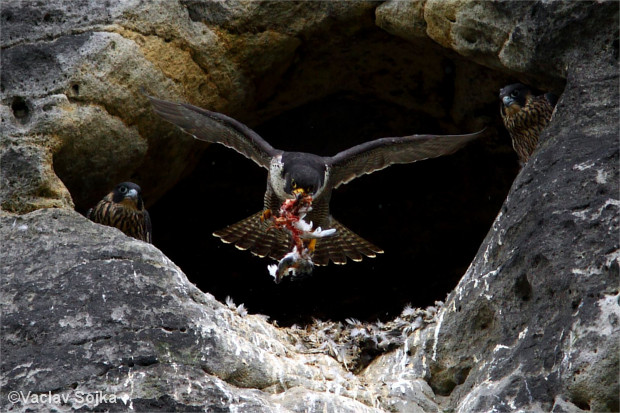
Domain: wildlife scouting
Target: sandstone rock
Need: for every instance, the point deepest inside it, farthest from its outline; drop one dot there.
(529, 39)
(533, 323)
(403, 18)
(77, 76)
(506, 336)
(473, 29)
(120, 318)
(28, 180)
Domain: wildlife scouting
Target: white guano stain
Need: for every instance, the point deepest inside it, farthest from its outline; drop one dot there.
(601, 176)
(436, 334)
(583, 166)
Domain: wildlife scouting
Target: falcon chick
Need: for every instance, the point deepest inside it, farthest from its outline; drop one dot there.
(123, 208)
(525, 115)
(293, 173)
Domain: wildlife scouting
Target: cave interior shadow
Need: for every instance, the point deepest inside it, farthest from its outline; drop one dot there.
(430, 217)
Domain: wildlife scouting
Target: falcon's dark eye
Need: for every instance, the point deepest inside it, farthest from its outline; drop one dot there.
(122, 189)
(514, 93)
(293, 184)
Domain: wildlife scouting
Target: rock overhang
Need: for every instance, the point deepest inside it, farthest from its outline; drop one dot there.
(509, 241)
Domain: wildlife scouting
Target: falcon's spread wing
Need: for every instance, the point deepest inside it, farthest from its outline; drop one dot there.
(216, 128)
(379, 154)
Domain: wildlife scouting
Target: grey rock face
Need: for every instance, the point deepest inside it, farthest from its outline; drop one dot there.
(534, 324)
(119, 318)
(532, 295)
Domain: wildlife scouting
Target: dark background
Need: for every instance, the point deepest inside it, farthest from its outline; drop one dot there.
(430, 217)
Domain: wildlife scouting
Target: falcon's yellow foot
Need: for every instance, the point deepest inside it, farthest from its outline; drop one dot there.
(312, 245)
(299, 193)
(265, 215)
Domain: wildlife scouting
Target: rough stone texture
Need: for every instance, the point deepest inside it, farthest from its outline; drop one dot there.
(72, 73)
(78, 66)
(120, 318)
(533, 40)
(545, 281)
(534, 323)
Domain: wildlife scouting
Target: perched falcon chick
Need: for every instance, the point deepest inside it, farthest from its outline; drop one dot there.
(293, 173)
(123, 208)
(525, 116)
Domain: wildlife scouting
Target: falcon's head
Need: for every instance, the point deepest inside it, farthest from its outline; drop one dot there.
(128, 194)
(303, 173)
(514, 97)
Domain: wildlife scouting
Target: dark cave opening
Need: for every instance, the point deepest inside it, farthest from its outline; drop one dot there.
(430, 217)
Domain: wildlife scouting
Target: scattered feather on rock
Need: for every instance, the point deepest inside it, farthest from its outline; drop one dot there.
(239, 309)
(355, 343)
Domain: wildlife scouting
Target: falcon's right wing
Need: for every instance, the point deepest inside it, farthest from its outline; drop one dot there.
(216, 128)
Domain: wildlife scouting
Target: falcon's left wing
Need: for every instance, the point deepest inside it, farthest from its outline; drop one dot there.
(379, 154)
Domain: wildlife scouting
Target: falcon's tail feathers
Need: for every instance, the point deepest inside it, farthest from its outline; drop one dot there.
(345, 243)
(255, 235)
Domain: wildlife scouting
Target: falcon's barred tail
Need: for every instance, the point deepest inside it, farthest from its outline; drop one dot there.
(345, 243)
(256, 236)
(260, 239)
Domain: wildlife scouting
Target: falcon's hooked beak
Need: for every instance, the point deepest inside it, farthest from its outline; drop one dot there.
(507, 101)
(509, 106)
(131, 199)
(299, 193)
(132, 193)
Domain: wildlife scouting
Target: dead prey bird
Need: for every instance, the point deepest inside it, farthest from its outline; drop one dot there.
(291, 218)
(298, 172)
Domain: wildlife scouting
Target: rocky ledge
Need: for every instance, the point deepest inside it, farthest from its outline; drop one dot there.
(93, 320)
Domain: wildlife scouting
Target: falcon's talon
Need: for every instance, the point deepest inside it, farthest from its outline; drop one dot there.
(312, 245)
(265, 215)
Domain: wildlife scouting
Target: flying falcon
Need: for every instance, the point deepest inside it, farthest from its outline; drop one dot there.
(525, 116)
(293, 173)
(123, 208)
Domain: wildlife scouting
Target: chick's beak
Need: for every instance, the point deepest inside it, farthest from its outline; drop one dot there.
(507, 101)
(132, 193)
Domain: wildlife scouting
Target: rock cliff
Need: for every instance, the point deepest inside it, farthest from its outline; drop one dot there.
(93, 320)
